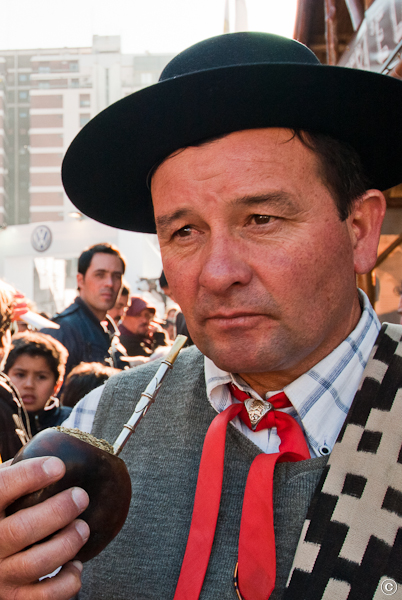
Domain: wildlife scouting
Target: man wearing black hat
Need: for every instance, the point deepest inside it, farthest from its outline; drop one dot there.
(265, 169)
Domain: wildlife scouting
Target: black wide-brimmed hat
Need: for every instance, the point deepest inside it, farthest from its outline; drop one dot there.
(229, 83)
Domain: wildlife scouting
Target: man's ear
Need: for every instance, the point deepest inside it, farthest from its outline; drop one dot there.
(364, 224)
(80, 279)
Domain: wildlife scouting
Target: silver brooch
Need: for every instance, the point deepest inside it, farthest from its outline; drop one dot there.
(256, 410)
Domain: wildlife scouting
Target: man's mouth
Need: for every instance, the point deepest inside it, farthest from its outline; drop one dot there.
(235, 319)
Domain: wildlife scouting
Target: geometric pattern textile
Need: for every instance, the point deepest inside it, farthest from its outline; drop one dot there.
(351, 540)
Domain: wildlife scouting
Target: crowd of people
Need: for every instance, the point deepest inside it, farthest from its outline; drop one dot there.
(105, 330)
(270, 466)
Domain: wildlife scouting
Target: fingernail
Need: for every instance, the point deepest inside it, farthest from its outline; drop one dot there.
(78, 565)
(80, 498)
(53, 466)
(82, 529)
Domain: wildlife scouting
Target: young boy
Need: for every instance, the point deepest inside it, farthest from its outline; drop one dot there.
(36, 366)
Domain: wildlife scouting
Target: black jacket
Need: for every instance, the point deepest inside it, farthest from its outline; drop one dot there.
(85, 337)
(51, 416)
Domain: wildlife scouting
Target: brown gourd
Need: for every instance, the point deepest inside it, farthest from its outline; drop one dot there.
(91, 465)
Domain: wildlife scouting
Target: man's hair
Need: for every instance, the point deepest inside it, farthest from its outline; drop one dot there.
(163, 281)
(86, 256)
(84, 378)
(33, 343)
(125, 289)
(340, 169)
(6, 310)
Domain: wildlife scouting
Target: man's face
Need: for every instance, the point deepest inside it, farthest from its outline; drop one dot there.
(119, 309)
(101, 283)
(255, 252)
(140, 323)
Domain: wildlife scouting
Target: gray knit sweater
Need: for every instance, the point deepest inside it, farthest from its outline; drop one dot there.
(163, 456)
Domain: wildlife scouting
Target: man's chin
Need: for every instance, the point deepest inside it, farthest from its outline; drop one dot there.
(240, 359)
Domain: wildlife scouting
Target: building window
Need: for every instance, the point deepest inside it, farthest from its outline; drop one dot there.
(75, 83)
(84, 119)
(23, 77)
(23, 95)
(44, 84)
(85, 100)
(44, 69)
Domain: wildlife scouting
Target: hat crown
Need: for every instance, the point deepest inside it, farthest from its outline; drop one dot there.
(137, 305)
(236, 49)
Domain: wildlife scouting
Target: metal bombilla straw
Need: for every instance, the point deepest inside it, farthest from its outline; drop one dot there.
(149, 395)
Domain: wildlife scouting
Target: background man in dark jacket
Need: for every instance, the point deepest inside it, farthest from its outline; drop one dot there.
(85, 328)
(138, 337)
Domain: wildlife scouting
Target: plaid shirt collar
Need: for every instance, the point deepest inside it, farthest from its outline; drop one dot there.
(321, 397)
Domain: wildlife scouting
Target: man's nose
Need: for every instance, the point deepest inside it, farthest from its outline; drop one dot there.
(224, 265)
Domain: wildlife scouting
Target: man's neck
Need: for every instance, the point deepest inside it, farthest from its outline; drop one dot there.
(99, 314)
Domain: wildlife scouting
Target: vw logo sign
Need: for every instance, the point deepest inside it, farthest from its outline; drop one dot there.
(41, 238)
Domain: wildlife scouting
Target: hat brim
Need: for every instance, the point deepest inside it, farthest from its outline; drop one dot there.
(106, 167)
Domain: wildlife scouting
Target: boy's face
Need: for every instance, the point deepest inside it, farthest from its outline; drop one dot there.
(34, 380)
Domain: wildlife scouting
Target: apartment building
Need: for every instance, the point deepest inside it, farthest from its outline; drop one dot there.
(46, 96)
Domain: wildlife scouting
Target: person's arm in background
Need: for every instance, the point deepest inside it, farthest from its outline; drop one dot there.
(21, 568)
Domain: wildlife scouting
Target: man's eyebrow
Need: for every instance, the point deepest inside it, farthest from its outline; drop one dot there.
(165, 221)
(278, 199)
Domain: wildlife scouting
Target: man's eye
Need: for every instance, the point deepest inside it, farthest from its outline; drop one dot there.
(184, 231)
(262, 219)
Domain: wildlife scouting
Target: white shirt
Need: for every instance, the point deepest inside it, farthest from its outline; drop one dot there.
(320, 398)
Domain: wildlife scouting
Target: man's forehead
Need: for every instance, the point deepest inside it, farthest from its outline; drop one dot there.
(248, 135)
(267, 155)
(103, 260)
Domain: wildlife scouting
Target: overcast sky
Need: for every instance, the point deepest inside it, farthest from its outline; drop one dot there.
(144, 25)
